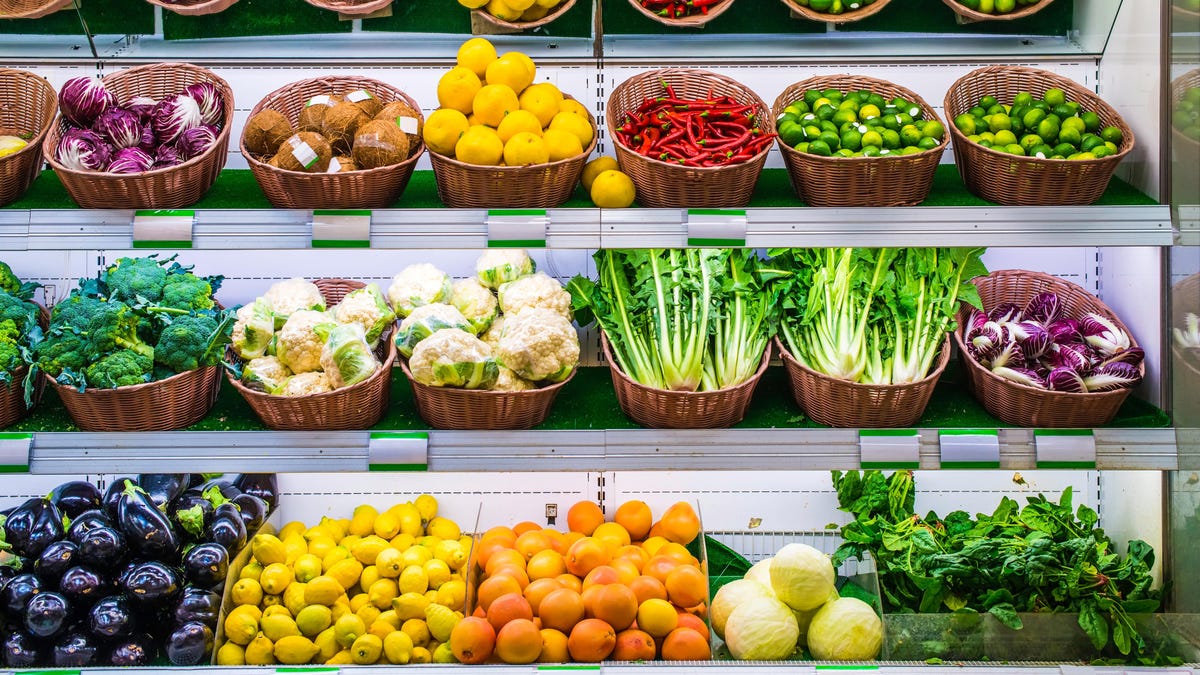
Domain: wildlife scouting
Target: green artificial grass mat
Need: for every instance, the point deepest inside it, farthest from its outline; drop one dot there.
(237, 189)
(444, 17)
(253, 18)
(123, 17)
(588, 402)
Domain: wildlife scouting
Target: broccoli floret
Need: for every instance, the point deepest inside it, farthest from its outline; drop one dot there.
(9, 282)
(62, 350)
(114, 326)
(136, 280)
(119, 369)
(188, 292)
(22, 313)
(10, 359)
(75, 312)
(193, 341)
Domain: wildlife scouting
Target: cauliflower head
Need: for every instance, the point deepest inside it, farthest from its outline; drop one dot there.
(537, 290)
(297, 344)
(510, 381)
(454, 358)
(492, 335)
(476, 303)
(305, 384)
(417, 285)
(293, 295)
(254, 329)
(366, 307)
(425, 321)
(346, 357)
(539, 345)
(266, 374)
(501, 265)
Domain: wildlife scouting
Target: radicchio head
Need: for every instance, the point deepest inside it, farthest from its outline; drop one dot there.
(1035, 339)
(130, 160)
(1065, 380)
(1011, 355)
(83, 150)
(205, 94)
(1043, 307)
(121, 128)
(1112, 376)
(194, 141)
(142, 106)
(1074, 356)
(1024, 376)
(1065, 331)
(82, 99)
(175, 115)
(1103, 334)
(1004, 313)
(1133, 356)
(165, 156)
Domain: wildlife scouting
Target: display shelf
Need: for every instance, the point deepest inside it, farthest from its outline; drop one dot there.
(236, 214)
(681, 668)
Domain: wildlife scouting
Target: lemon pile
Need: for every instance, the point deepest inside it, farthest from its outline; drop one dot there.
(513, 10)
(381, 587)
(492, 114)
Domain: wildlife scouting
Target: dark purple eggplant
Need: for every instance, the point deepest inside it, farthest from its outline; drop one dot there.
(198, 604)
(21, 650)
(46, 614)
(131, 652)
(206, 565)
(151, 584)
(224, 487)
(191, 514)
(75, 650)
(190, 644)
(163, 488)
(227, 528)
(83, 586)
(146, 529)
(18, 591)
(56, 559)
(86, 522)
(252, 510)
(265, 486)
(76, 497)
(112, 496)
(102, 548)
(111, 617)
(33, 526)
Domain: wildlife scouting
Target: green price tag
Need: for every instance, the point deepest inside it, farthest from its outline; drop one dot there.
(398, 451)
(163, 228)
(1065, 448)
(716, 228)
(341, 228)
(14, 452)
(517, 228)
(970, 448)
(889, 448)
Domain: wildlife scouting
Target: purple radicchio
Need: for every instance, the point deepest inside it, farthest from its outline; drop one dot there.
(1035, 339)
(1133, 356)
(175, 115)
(131, 160)
(1024, 376)
(975, 322)
(1043, 308)
(83, 150)
(206, 96)
(1011, 355)
(1065, 380)
(1075, 357)
(194, 141)
(121, 128)
(165, 156)
(1103, 335)
(142, 106)
(1112, 376)
(148, 142)
(988, 338)
(1005, 312)
(1065, 331)
(82, 99)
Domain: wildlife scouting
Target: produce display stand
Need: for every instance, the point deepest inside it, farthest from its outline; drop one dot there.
(760, 484)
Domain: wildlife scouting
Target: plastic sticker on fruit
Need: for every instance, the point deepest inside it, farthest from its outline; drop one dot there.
(500, 266)
(346, 357)
(539, 345)
(476, 302)
(254, 329)
(286, 297)
(425, 321)
(846, 629)
(367, 308)
(298, 346)
(536, 290)
(454, 358)
(417, 285)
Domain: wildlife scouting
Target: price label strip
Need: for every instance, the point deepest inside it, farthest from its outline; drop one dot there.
(715, 228)
(15, 449)
(970, 448)
(1065, 448)
(889, 448)
(163, 229)
(398, 451)
(340, 228)
(517, 228)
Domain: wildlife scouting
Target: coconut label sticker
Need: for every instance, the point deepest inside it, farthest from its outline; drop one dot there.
(408, 125)
(323, 99)
(360, 95)
(334, 166)
(304, 154)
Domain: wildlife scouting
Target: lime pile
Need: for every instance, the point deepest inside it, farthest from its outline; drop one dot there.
(1186, 116)
(857, 124)
(997, 6)
(834, 6)
(1047, 128)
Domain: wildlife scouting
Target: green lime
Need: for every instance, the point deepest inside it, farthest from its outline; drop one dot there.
(1031, 141)
(1006, 138)
(843, 116)
(1041, 151)
(831, 139)
(1090, 142)
(987, 6)
(988, 136)
(1048, 130)
(852, 140)
(790, 132)
(1023, 99)
(1055, 97)
(1018, 125)
(833, 94)
(977, 111)
(1062, 110)
(819, 147)
(1064, 149)
(891, 139)
(1074, 106)
(876, 100)
(974, 138)
(1014, 149)
(927, 143)
(1032, 118)
(1100, 152)
(987, 101)
(1112, 135)
(905, 118)
(851, 103)
(828, 125)
(872, 138)
(1005, 6)
(820, 5)
(802, 147)
(811, 96)
(1074, 123)
(1070, 135)
(997, 109)
(826, 111)
(868, 112)
(812, 132)
(1081, 156)
(844, 152)
(985, 143)
(933, 129)
(870, 151)
(910, 135)
(999, 122)
(1091, 121)
(1112, 147)
(892, 122)
(965, 123)
(1041, 105)
(862, 96)
(910, 150)
(797, 109)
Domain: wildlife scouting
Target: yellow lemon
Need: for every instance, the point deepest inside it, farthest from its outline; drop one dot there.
(548, 4)
(501, 10)
(427, 506)
(524, 149)
(519, 5)
(260, 651)
(293, 597)
(321, 545)
(246, 592)
(514, 123)
(437, 571)
(595, 168)
(441, 621)
(509, 70)
(314, 619)
(456, 89)
(388, 563)
(443, 128)
(416, 555)
(343, 657)
(368, 613)
(382, 592)
(362, 522)
(475, 54)
(338, 554)
(276, 609)
(240, 628)
(444, 528)
(348, 629)
(323, 590)
(272, 600)
(346, 572)
(295, 650)
(572, 106)
(349, 541)
(338, 610)
(296, 546)
(359, 601)
(450, 551)
(279, 626)
(543, 100)
(421, 655)
(390, 617)
(472, 4)
(480, 145)
(414, 580)
(410, 606)
(250, 610)
(327, 645)
(613, 190)
(417, 631)
(474, 120)
(574, 124)
(268, 549)
(251, 570)
(562, 144)
(534, 13)
(397, 648)
(366, 649)
(275, 578)
(387, 525)
(307, 567)
(381, 629)
(294, 527)
(529, 64)
(231, 654)
(410, 519)
(493, 102)
(452, 594)
(402, 541)
(370, 575)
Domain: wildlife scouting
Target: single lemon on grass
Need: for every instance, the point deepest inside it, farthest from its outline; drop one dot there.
(456, 89)
(476, 53)
(561, 144)
(572, 106)
(501, 10)
(574, 124)
(517, 121)
(493, 102)
(509, 70)
(595, 168)
(543, 100)
(613, 190)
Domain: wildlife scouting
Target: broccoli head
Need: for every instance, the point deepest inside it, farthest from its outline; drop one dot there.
(75, 312)
(114, 326)
(136, 279)
(22, 313)
(9, 282)
(187, 291)
(62, 350)
(119, 369)
(193, 341)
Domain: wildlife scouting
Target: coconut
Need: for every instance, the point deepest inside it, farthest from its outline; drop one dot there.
(306, 151)
(365, 100)
(265, 132)
(379, 143)
(401, 113)
(313, 113)
(342, 164)
(341, 123)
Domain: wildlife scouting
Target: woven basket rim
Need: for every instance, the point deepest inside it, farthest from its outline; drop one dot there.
(38, 11)
(39, 138)
(768, 121)
(939, 365)
(50, 144)
(1063, 83)
(969, 13)
(748, 382)
(485, 394)
(694, 21)
(525, 25)
(847, 17)
(366, 7)
(127, 388)
(193, 7)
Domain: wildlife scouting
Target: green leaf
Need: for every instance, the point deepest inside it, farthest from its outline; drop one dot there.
(1093, 624)
(1006, 614)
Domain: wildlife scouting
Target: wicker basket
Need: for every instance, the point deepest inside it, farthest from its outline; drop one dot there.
(900, 180)
(174, 403)
(478, 410)
(967, 15)
(541, 186)
(194, 7)
(1013, 180)
(358, 406)
(370, 188)
(840, 403)
(351, 7)
(31, 9)
(1027, 406)
(173, 187)
(12, 396)
(484, 23)
(663, 185)
(846, 17)
(663, 409)
(693, 21)
(27, 105)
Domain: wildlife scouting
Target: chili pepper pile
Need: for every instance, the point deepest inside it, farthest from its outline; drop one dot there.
(677, 9)
(715, 131)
